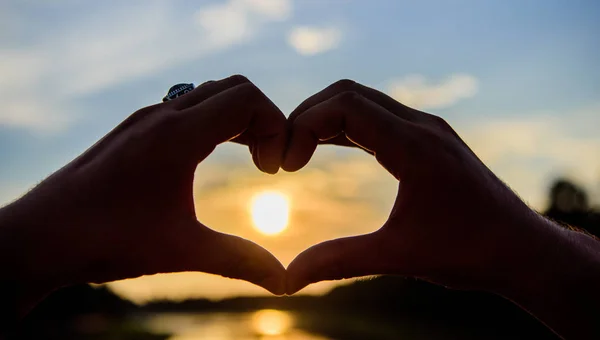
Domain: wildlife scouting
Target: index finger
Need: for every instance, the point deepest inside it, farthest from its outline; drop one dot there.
(228, 114)
(205, 91)
(382, 99)
(362, 121)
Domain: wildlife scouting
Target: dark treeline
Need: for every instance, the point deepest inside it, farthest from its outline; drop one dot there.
(569, 204)
(375, 308)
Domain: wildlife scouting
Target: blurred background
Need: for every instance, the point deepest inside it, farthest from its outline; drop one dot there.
(518, 80)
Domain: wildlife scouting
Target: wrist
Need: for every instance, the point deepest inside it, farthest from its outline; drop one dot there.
(555, 277)
(23, 281)
(546, 257)
(529, 255)
(34, 242)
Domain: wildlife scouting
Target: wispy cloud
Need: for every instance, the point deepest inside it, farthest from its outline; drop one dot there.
(25, 101)
(418, 92)
(311, 40)
(530, 150)
(235, 21)
(118, 45)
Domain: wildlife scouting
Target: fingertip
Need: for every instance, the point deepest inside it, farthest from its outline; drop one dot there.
(297, 275)
(272, 171)
(301, 148)
(268, 155)
(269, 164)
(265, 271)
(275, 284)
(294, 284)
(256, 158)
(293, 288)
(292, 165)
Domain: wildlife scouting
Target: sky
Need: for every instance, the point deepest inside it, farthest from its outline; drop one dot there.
(517, 79)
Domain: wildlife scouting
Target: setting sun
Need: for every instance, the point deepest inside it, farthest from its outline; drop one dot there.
(271, 322)
(270, 212)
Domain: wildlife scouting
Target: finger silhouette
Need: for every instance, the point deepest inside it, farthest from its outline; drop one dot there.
(346, 85)
(383, 100)
(198, 95)
(205, 91)
(374, 128)
(241, 109)
(337, 259)
(362, 121)
(198, 248)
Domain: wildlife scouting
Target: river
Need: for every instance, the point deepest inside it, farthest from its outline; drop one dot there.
(267, 324)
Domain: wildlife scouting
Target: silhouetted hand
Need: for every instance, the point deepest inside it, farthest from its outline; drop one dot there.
(454, 222)
(125, 208)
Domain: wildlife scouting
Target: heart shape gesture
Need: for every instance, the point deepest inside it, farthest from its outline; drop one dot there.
(125, 207)
(452, 217)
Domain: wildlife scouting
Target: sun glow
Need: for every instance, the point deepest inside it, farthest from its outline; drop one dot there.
(271, 322)
(270, 212)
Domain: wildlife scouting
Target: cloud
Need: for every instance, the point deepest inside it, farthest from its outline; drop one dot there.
(309, 40)
(23, 103)
(36, 116)
(118, 44)
(531, 150)
(235, 21)
(416, 91)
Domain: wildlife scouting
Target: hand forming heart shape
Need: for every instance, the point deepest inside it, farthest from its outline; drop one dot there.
(125, 208)
(130, 195)
(453, 221)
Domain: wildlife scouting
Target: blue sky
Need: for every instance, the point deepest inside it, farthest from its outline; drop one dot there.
(519, 80)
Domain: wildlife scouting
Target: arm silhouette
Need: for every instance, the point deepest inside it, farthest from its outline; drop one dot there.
(125, 208)
(453, 223)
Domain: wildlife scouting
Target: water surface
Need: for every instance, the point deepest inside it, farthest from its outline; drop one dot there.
(266, 324)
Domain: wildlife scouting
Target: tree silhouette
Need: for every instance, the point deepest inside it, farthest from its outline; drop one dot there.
(569, 204)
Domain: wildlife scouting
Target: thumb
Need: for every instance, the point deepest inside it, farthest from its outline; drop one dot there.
(205, 250)
(336, 259)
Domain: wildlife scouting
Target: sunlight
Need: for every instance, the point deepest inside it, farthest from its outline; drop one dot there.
(271, 322)
(270, 212)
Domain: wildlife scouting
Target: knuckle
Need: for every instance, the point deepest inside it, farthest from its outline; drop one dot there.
(167, 120)
(162, 127)
(344, 85)
(439, 121)
(248, 92)
(440, 124)
(208, 82)
(238, 79)
(145, 111)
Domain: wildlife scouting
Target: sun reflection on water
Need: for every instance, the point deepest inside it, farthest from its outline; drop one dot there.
(271, 322)
(266, 324)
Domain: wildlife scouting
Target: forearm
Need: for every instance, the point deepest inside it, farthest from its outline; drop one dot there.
(14, 294)
(30, 255)
(558, 281)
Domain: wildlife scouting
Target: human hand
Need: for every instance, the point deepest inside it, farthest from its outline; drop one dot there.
(454, 222)
(125, 207)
